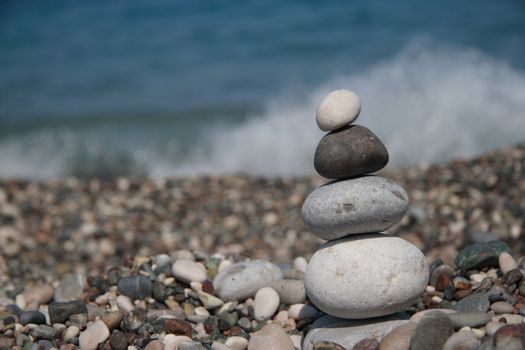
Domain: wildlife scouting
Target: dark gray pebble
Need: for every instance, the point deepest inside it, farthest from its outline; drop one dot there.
(350, 151)
(44, 332)
(474, 302)
(135, 287)
(59, 312)
(432, 332)
(35, 317)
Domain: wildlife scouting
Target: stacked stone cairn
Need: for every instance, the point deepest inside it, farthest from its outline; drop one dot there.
(361, 272)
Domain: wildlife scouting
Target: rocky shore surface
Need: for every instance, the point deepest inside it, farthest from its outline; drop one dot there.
(162, 264)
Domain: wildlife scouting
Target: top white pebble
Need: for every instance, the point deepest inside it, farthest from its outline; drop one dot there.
(337, 109)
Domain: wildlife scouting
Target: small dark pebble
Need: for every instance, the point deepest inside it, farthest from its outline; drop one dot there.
(178, 327)
(480, 255)
(513, 276)
(44, 332)
(133, 320)
(59, 312)
(135, 287)
(118, 341)
(35, 317)
(474, 302)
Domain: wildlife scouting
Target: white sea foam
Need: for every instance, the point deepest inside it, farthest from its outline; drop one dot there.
(429, 103)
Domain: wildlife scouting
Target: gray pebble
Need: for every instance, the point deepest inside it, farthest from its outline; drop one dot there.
(242, 280)
(35, 317)
(432, 332)
(70, 288)
(59, 312)
(354, 206)
(44, 332)
(290, 291)
(135, 287)
(469, 319)
(474, 302)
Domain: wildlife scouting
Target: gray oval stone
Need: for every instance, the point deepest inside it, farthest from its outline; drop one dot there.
(347, 333)
(242, 280)
(361, 205)
(363, 276)
(350, 151)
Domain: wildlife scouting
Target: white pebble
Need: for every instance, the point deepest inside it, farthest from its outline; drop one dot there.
(507, 262)
(219, 346)
(266, 303)
(301, 312)
(511, 318)
(95, 333)
(124, 304)
(196, 286)
(477, 277)
(71, 332)
(224, 264)
(236, 343)
(189, 271)
(492, 327)
(337, 109)
(300, 263)
(172, 341)
(436, 299)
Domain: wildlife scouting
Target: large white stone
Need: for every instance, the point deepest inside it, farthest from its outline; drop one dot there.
(266, 303)
(242, 280)
(362, 276)
(337, 109)
(348, 332)
(189, 271)
(359, 205)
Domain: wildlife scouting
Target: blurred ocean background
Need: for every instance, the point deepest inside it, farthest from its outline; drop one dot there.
(160, 88)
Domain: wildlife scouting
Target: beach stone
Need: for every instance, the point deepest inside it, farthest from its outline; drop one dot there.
(154, 345)
(347, 333)
(44, 332)
(349, 151)
(243, 279)
(266, 303)
(71, 332)
(360, 205)
(327, 345)
(300, 263)
(59, 312)
(301, 312)
(71, 287)
(501, 307)
(178, 327)
(189, 271)
(118, 341)
(480, 255)
(270, 336)
(398, 338)
(95, 333)
(474, 302)
(363, 276)
(35, 317)
(290, 291)
(462, 340)
(432, 332)
(337, 108)
(135, 287)
(236, 343)
(193, 345)
(492, 327)
(510, 337)
(469, 319)
(171, 341)
(507, 263)
(419, 315)
(124, 304)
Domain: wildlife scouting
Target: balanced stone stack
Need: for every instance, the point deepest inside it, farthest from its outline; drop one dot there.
(360, 272)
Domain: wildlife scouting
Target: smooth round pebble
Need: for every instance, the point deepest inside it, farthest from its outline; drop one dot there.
(506, 262)
(172, 341)
(135, 287)
(349, 151)
(501, 307)
(189, 271)
(419, 315)
(354, 206)
(366, 276)
(492, 327)
(243, 279)
(71, 332)
(270, 336)
(236, 343)
(290, 291)
(95, 333)
(266, 303)
(338, 108)
(124, 304)
(301, 312)
(300, 263)
(462, 340)
(432, 332)
(35, 317)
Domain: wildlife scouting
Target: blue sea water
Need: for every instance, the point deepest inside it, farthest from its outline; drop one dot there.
(164, 88)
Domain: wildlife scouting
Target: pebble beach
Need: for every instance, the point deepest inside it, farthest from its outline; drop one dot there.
(169, 264)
